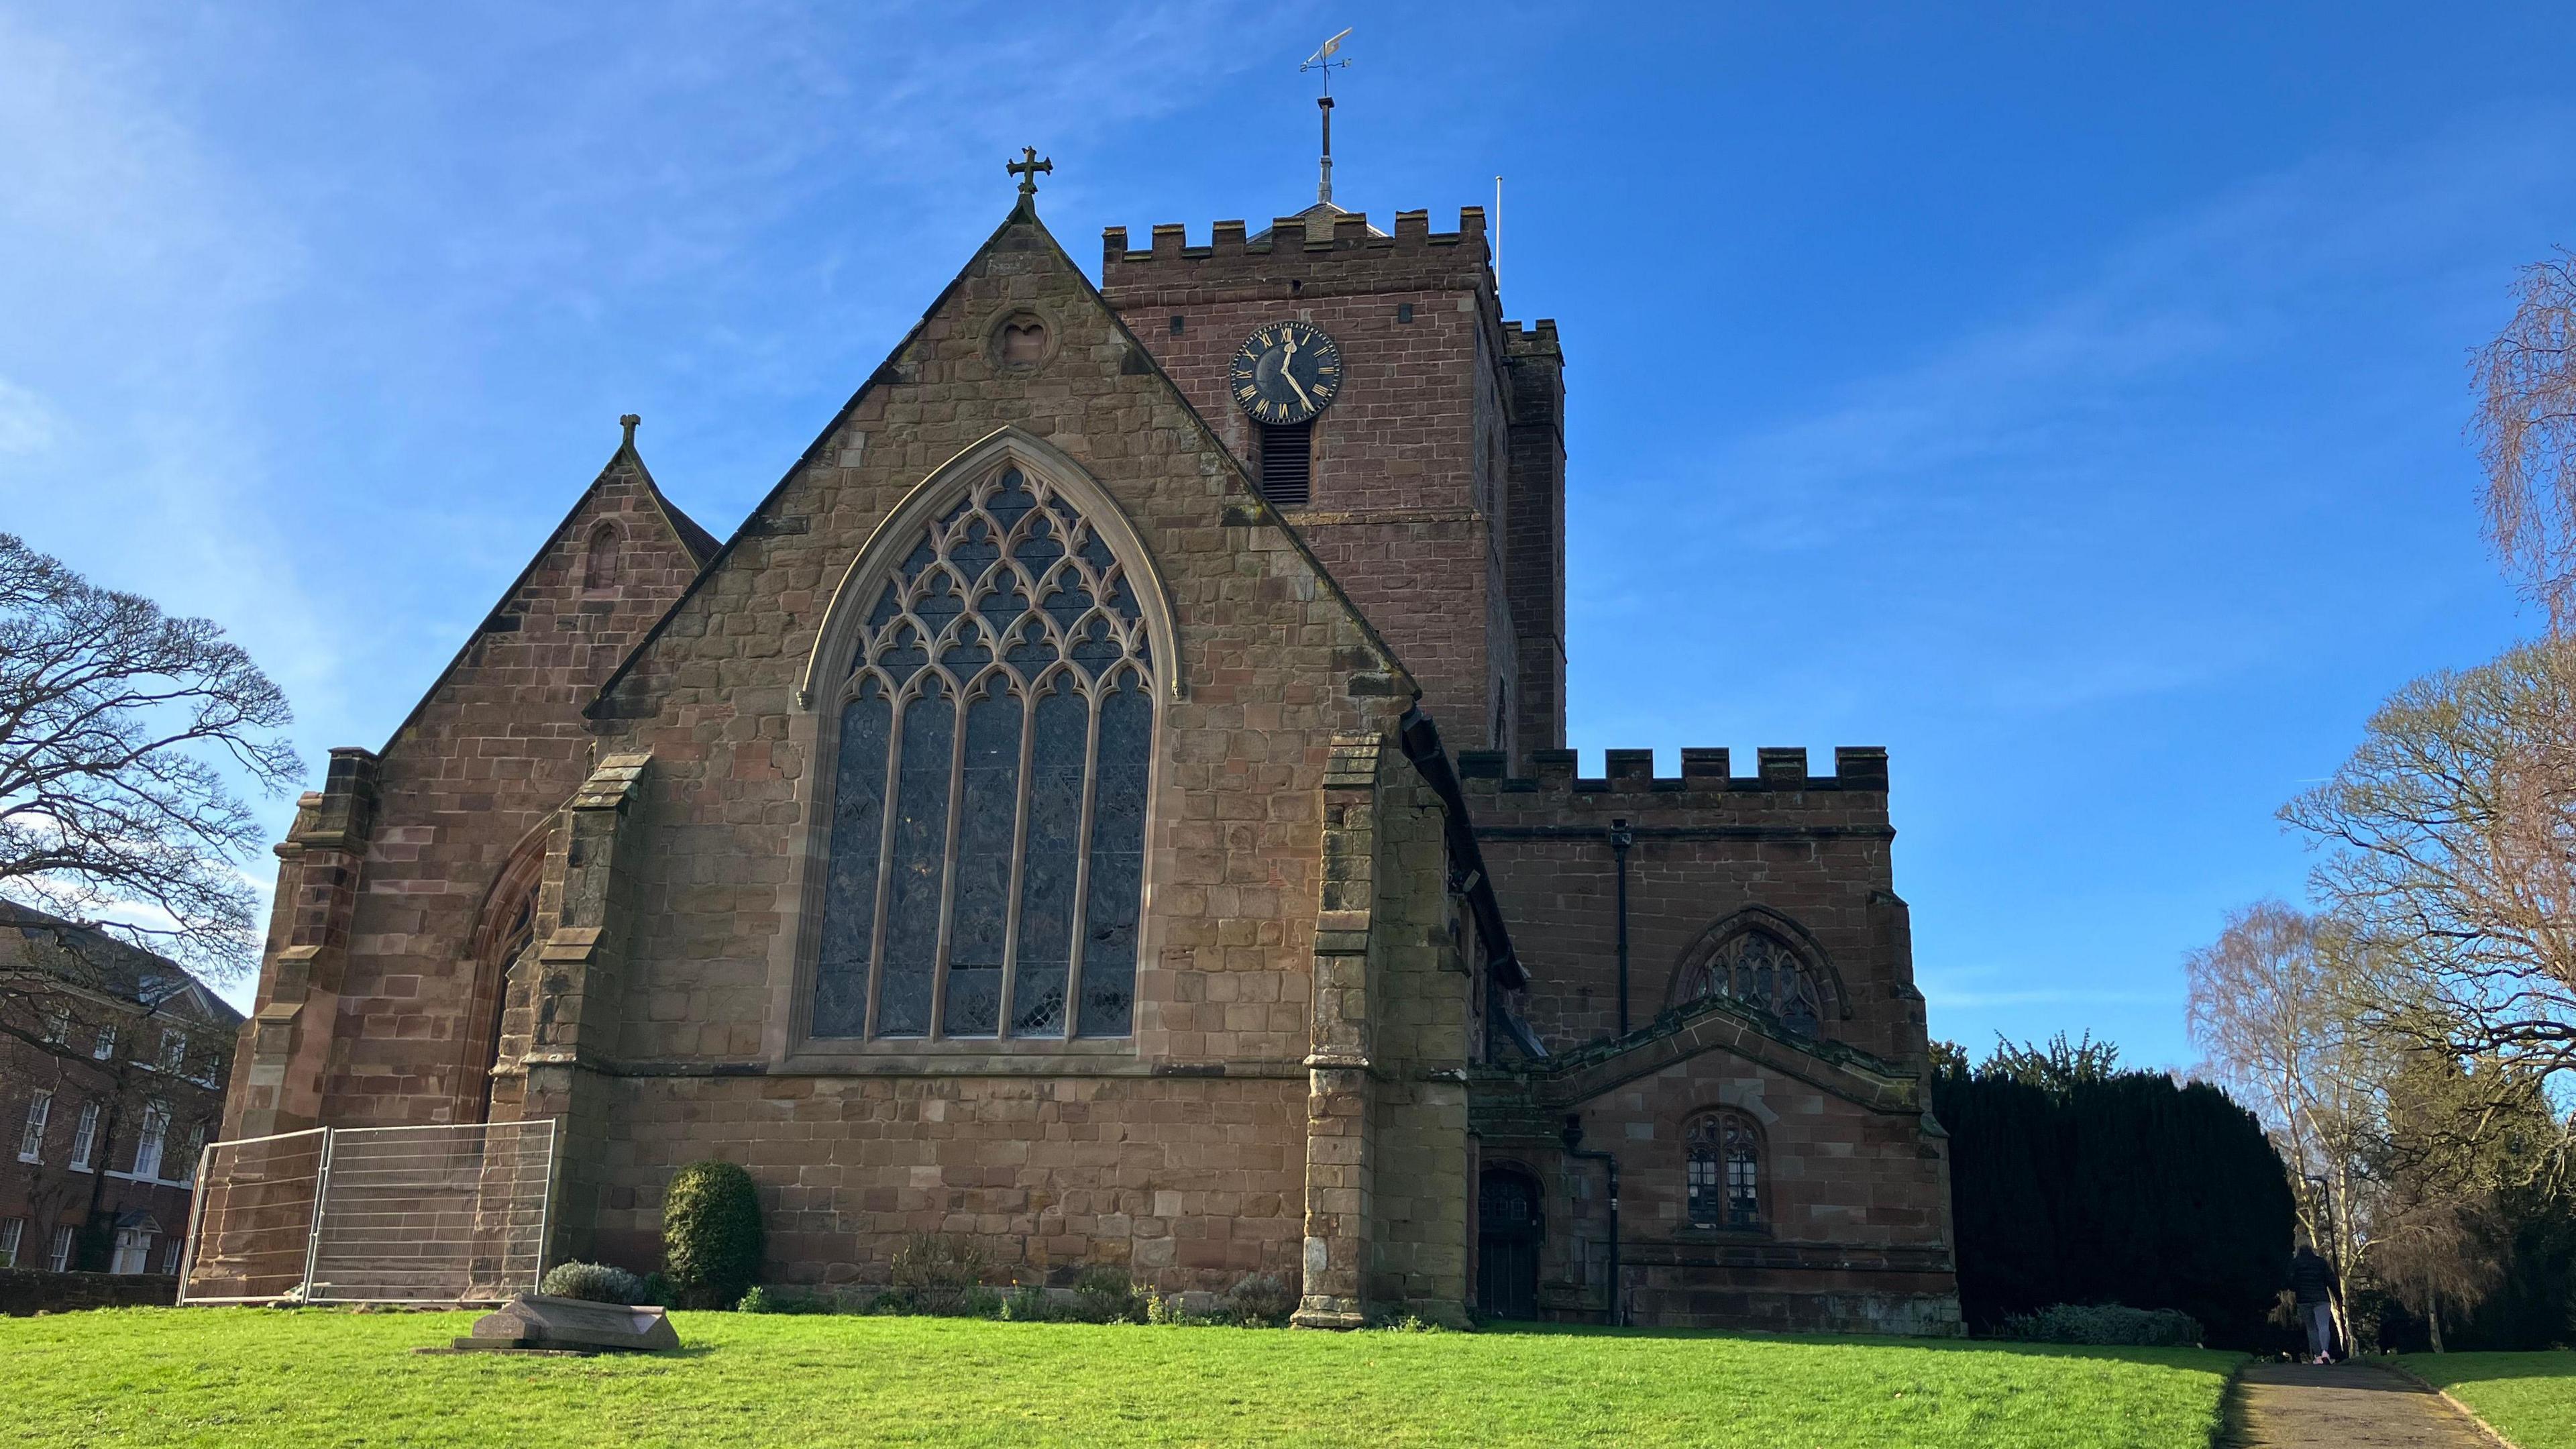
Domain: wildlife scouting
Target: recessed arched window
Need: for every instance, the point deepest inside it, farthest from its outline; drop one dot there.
(995, 733)
(1725, 1171)
(1760, 969)
(599, 559)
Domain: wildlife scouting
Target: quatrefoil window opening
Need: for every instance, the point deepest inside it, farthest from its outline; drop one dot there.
(1759, 969)
(986, 873)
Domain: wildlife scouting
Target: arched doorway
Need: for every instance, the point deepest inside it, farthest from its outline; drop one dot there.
(1509, 1229)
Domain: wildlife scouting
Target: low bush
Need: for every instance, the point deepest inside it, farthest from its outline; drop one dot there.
(1104, 1294)
(765, 1299)
(2104, 1324)
(1260, 1301)
(711, 1235)
(1027, 1303)
(938, 1275)
(597, 1282)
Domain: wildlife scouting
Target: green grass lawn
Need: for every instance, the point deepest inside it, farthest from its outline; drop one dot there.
(316, 1377)
(2529, 1398)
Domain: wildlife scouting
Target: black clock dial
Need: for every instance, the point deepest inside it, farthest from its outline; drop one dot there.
(1285, 373)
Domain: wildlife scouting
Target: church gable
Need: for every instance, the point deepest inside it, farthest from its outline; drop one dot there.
(615, 563)
(1018, 537)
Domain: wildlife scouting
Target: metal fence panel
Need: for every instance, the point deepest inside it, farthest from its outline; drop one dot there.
(253, 1217)
(441, 1214)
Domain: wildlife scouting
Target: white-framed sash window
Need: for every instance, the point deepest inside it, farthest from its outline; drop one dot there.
(60, 1259)
(11, 1233)
(105, 1047)
(31, 1140)
(85, 1137)
(147, 1149)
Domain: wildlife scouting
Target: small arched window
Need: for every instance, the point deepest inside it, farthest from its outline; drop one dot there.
(1759, 969)
(1725, 1171)
(988, 815)
(599, 559)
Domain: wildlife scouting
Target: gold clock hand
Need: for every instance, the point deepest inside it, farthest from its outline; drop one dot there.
(1290, 377)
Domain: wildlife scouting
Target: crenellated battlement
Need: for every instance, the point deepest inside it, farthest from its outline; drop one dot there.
(1316, 249)
(1705, 772)
(1533, 339)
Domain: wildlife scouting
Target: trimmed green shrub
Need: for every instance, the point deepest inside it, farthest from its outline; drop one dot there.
(1260, 1301)
(711, 1237)
(2105, 1324)
(597, 1282)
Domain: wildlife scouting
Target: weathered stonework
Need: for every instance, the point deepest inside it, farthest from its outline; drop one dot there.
(587, 879)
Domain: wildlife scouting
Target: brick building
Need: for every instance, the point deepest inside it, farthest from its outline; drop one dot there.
(1109, 801)
(112, 1061)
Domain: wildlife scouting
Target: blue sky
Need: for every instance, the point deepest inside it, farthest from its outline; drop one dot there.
(2067, 399)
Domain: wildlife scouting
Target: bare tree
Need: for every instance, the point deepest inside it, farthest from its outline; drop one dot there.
(2451, 846)
(122, 734)
(2525, 426)
(2272, 1007)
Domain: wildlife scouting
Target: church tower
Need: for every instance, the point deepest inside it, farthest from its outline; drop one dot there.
(1427, 468)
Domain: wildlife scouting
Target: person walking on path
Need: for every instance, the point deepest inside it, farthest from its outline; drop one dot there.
(2313, 1283)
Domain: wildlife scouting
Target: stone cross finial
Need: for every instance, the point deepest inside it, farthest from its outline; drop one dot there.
(1027, 169)
(628, 422)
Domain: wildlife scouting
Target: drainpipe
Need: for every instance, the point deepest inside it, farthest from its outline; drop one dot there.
(1621, 837)
(1574, 1148)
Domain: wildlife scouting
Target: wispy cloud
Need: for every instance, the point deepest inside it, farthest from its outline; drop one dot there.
(2120, 490)
(26, 424)
(2029, 398)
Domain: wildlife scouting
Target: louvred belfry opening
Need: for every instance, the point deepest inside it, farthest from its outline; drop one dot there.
(988, 817)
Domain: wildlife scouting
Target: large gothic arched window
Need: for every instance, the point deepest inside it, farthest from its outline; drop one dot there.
(1759, 969)
(988, 808)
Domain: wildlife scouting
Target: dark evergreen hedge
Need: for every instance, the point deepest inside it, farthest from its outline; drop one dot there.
(2123, 1189)
(711, 1236)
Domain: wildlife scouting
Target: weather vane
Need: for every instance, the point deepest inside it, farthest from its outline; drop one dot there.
(1322, 60)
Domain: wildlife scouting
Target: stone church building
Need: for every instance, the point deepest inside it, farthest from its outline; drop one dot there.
(1109, 801)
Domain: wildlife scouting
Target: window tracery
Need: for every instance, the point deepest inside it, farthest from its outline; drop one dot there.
(986, 868)
(1725, 1181)
(1759, 969)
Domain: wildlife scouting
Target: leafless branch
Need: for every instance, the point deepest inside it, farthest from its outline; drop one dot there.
(123, 736)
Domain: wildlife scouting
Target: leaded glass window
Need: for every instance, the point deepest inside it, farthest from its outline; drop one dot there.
(1758, 969)
(995, 733)
(1725, 1172)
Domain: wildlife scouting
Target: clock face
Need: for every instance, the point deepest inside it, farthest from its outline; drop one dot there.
(1285, 373)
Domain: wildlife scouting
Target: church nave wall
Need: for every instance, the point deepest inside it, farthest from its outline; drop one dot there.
(1187, 1183)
